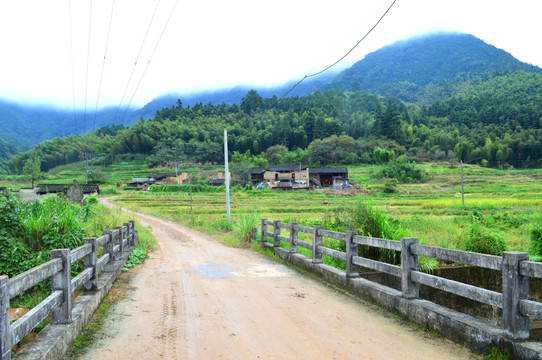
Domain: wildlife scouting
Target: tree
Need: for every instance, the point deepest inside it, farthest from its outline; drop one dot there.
(32, 169)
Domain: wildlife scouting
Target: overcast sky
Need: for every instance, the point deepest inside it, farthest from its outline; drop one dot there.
(210, 44)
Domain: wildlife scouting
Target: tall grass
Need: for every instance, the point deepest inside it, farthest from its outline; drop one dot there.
(243, 224)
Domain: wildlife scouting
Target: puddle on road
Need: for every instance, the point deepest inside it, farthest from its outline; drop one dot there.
(220, 271)
(214, 271)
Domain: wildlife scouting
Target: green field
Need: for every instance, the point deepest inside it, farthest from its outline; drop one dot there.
(508, 202)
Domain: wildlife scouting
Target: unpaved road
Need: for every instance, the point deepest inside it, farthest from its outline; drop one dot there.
(197, 299)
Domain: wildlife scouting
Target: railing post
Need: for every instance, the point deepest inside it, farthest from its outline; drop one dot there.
(126, 234)
(276, 233)
(5, 328)
(62, 281)
(515, 288)
(293, 237)
(409, 262)
(131, 231)
(264, 231)
(108, 245)
(254, 234)
(316, 241)
(118, 241)
(91, 261)
(352, 270)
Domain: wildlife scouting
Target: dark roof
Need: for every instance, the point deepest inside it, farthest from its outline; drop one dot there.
(58, 188)
(328, 171)
(286, 168)
(161, 176)
(217, 181)
(254, 171)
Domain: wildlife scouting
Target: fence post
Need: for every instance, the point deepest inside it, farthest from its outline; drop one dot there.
(515, 288)
(264, 231)
(126, 234)
(118, 241)
(316, 241)
(108, 245)
(132, 232)
(91, 261)
(5, 336)
(409, 262)
(254, 234)
(276, 233)
(62, 281)
(293, 238)
(352, 270)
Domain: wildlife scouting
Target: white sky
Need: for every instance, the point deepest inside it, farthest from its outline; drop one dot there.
(212, 44)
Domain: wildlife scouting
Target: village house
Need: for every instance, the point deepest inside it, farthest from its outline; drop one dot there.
(160, 178)
(46, 190)
(298, 177)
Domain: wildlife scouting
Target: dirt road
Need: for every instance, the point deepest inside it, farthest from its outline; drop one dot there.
(197, 299)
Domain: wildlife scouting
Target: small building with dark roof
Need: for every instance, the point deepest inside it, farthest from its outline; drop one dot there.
(329, 176)
(255, 175)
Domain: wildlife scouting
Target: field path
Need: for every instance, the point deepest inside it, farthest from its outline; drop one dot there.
(195, 298)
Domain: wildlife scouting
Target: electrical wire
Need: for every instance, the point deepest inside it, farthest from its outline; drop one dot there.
(135, 64)
(148, 63)
(103, 66)
(342, 57)
(88, 61)
(73, 73)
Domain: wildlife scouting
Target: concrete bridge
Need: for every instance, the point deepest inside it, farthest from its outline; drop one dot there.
(195, 298)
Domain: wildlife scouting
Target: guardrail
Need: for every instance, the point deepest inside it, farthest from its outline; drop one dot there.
(516, 270)
(58, 269)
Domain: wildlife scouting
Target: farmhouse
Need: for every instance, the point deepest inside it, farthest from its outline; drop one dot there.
(298, 176)
(46, 190)
(336, 177)
(159, 178)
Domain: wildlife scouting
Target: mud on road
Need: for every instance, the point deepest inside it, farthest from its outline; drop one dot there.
(195, 298)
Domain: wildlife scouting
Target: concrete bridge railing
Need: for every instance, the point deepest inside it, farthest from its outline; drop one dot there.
(116, 246)
(517, 310)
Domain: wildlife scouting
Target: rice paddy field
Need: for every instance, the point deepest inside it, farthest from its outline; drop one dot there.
(508, 202)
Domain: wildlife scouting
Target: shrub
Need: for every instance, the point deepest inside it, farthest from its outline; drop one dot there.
(536, 240)
(403, 171)
(481, 240)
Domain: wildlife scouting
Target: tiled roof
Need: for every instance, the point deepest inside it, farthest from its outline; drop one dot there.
(328, 171)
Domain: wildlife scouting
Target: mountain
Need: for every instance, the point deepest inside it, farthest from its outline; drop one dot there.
(422, 70)
(426, 69)
(29, 125)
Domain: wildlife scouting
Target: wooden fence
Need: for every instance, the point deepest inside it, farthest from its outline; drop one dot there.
(516, 269)
(59, 304)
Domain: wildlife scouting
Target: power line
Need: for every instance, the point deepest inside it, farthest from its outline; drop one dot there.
(88, 58)
(148, 63)
(137, 59)
(342, 57)
(103, 66)
(73, 74)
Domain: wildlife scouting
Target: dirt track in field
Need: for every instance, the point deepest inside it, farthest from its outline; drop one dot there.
(195, 298)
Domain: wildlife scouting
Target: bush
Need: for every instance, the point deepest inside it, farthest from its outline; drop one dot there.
(403, 171)
(479, 239)
(536, 240)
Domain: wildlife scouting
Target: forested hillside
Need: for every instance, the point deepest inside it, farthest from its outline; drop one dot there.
(495, 121)
(427, 69)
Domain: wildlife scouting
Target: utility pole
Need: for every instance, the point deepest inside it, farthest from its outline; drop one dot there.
(227, 175)
(462, 190)
(190, 182)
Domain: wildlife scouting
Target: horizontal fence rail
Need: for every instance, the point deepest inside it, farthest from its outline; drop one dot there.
(58, 269)
(516, 270)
